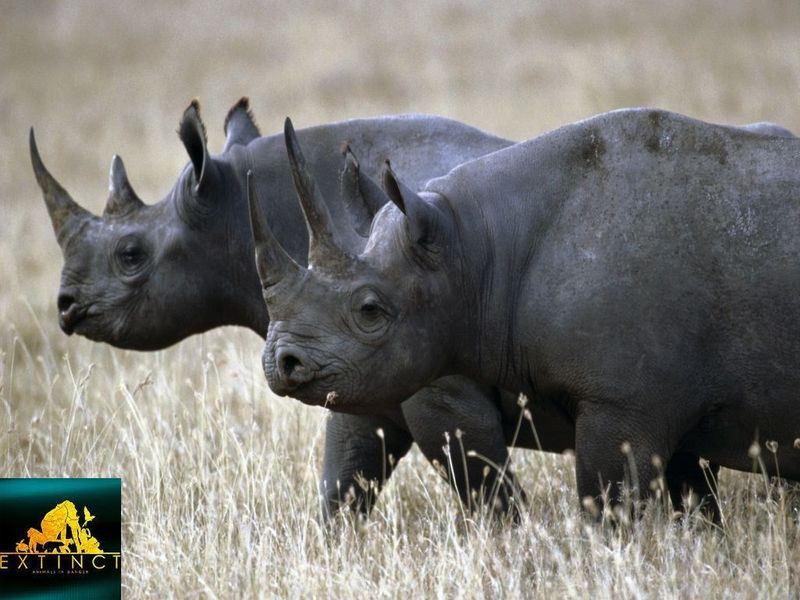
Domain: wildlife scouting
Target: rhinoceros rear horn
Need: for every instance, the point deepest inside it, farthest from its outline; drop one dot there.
(362, 196)
(192, 132)
(240, 126)
(121, 197)
(273, 263)
(323, 244)
(60, 205)
(424, 220)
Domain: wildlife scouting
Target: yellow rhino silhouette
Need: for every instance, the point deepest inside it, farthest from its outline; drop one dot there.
(62, 532)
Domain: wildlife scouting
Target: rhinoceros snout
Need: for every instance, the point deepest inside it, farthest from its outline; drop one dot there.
(293, 369)
(69, 311)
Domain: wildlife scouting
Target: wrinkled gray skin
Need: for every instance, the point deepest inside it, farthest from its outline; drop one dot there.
(636, 272)
(147, 276)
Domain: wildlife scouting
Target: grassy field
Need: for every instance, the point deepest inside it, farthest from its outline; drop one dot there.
(219, 476)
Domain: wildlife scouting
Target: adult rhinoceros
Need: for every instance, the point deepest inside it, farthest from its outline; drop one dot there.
(639, 270)
(147, 276)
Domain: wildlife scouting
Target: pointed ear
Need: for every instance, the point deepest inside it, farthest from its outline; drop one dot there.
(193, 135)
(425, 222)
(240, 126)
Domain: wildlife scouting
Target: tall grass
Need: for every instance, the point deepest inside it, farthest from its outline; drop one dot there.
(219, 476)
(219, 500)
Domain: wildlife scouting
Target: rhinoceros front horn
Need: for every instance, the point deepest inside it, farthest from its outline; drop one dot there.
(60, 205)
(324, 246)
(272, 261)
(121, 197)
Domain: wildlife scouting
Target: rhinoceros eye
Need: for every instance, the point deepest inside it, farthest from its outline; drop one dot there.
(130, 255)
(369, 312)
(370, 309)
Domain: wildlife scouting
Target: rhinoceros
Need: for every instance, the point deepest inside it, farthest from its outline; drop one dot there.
(637, 272)
(146, 276)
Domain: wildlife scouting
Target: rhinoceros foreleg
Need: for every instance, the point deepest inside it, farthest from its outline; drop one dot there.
(685, 476)
(614, 450)
(358, 460)
(458, 424)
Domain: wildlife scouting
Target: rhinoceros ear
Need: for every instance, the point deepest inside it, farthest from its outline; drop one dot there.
(121, 197)
(193, 135)
(362, 196)
(425, 221)
(240, 126)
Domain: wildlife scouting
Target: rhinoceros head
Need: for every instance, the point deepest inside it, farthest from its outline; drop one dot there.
(140, 276)
(361, 322)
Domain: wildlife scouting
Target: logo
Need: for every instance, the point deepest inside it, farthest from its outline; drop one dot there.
(49, 546)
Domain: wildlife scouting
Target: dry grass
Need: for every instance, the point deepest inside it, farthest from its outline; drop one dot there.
(208, 457)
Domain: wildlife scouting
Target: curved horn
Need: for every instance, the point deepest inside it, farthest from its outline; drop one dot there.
(240, 126)
(272, 261)
(424, 221)
(360, 193)
(121, 197)
(60, 205)
(323, 245)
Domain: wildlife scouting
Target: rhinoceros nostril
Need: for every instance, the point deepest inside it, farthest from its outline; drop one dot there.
(289, 364)
(293, 369)
(65, 302)
(70, 313)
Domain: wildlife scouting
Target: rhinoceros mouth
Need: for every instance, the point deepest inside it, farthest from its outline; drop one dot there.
(312, 391)
(70, 318)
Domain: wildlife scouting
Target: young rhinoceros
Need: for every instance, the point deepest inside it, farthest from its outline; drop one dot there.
(637, 270)
(145, 277)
